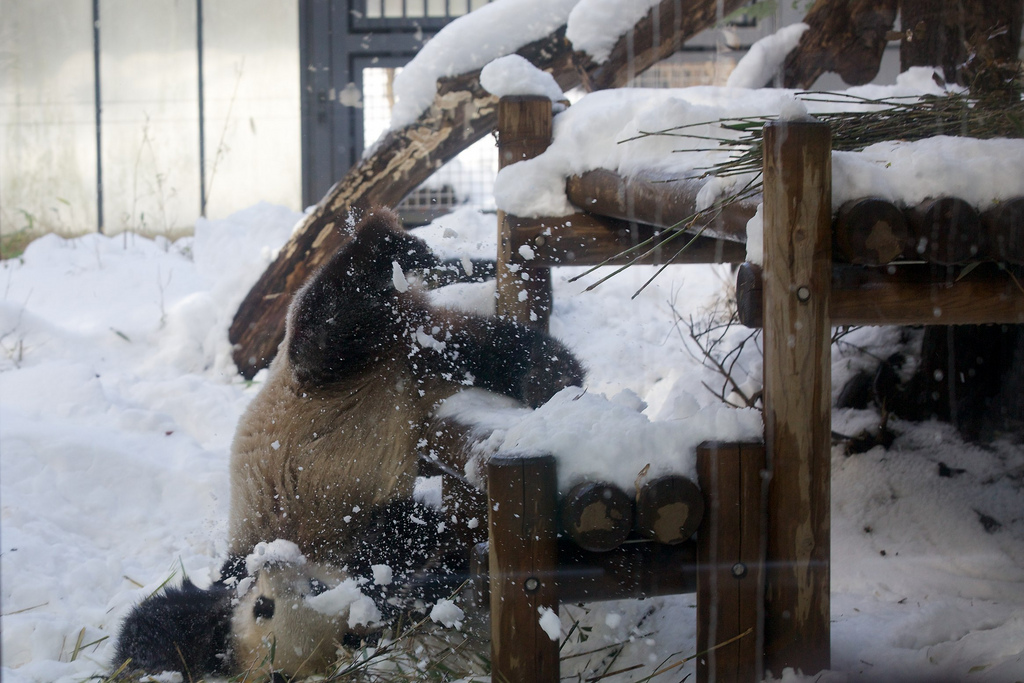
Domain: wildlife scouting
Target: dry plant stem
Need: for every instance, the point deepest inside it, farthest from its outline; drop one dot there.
(726, 365)
(683, 661)
(222, 148)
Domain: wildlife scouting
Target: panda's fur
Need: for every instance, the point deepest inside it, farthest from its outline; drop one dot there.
(326, 456)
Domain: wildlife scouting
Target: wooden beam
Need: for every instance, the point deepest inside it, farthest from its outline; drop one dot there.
(596, 515)
(870, 231)
(583, 239)
(657, 199)
(521, 493)
(730, 563)
(669, 509)
(634, 570)
(797, 396)
(1005, 225)
(524, 131)
(947, 231)
(462, 112)
(910, 295)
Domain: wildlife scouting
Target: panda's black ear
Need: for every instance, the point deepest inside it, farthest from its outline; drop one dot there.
(184, 629)
(233, 568)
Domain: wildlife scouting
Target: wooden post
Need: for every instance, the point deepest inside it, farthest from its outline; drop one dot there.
(524, 131)
(730, 563)
(523, 561)
(797, 392)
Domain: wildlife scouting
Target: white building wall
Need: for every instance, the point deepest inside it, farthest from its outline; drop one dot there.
(149, 114)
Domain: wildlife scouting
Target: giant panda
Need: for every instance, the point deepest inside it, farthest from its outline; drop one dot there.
(325, 457)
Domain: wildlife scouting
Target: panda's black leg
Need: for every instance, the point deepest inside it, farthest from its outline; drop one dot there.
(233, 568)
(415, 542)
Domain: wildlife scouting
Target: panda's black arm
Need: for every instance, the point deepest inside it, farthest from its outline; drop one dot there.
(507, 358)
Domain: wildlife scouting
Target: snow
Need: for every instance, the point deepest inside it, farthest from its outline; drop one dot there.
(398, 280)
(346, 598)
(550, 623)
(447, 613)
(764, 57)
(588, 432)
(594, 26)
(494, 30)
(382, 574)
(279, 551)
(118, 401)
(515, 75)
(982, 172)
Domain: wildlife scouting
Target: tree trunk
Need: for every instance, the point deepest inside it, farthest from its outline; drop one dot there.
(976, 42)
(845, 36)
(462, 113)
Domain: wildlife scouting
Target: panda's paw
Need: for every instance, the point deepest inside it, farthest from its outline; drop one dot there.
(553, 368)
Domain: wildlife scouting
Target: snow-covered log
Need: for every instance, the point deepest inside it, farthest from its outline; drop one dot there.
(660, 33)
(657, 198)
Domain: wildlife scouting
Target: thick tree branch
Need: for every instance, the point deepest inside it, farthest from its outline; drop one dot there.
(845, 36)
(659, 34)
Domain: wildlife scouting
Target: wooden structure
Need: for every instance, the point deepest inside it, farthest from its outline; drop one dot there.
(526, 570)
(875, 264)
(461, 113)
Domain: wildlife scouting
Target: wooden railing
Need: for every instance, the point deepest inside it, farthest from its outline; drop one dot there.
(874, 263)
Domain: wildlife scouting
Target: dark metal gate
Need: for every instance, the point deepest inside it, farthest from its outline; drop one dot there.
(338, 40)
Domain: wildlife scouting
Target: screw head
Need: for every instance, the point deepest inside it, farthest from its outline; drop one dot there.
(531, 585)
(739, 570)
(803, 293)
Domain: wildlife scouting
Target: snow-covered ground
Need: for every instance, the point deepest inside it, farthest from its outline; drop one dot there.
(118, 401)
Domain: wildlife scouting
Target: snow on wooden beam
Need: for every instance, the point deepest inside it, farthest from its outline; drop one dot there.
(582, 239)
(910, 295)
(657, 199)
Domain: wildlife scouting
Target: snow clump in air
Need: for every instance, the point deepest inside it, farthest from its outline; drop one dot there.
(447, 613)
(275, 552)
(382, 574)
(550, 623)
(346, 597)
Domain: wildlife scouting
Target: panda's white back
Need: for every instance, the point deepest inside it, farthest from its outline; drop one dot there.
(308, 463)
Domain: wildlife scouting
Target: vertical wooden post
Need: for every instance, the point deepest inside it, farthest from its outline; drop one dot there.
(730, 563)
(524, 131)
(523, 560)
(797, 392)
